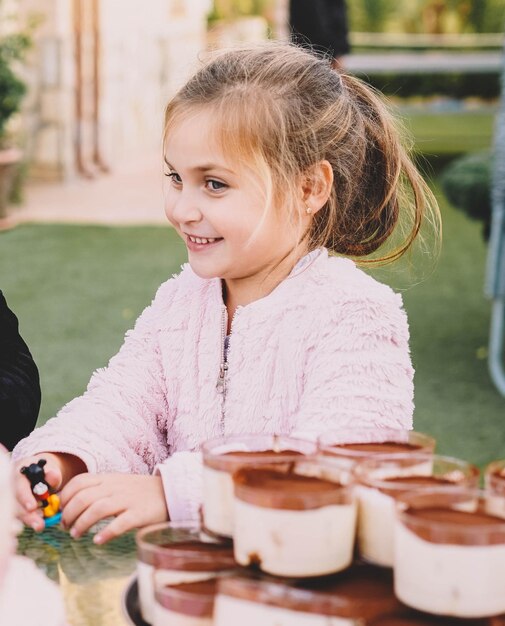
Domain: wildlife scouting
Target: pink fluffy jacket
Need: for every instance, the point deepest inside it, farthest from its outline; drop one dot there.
(327, 349)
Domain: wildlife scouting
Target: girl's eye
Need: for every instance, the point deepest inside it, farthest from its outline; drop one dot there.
(215, 185)
(174, 176)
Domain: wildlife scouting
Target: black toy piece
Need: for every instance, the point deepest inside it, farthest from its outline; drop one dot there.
(35, 473)
(41, 489)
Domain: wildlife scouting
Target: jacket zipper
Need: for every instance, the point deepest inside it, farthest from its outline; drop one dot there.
(223, 368)
(221, 385)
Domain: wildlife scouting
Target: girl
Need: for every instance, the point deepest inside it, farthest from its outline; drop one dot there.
(274, 161)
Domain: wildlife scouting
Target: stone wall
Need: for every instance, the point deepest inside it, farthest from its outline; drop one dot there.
(99, 76)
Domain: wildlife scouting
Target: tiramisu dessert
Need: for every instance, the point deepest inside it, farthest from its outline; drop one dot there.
(450, 554)
(381, 480)
(187, 604)
(494, 480)
(345, 599)
(293, 523)
(222, 457)
(171, 554)
(353, 445)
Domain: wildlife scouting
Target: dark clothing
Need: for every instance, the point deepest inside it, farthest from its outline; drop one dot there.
(19, 382)
(321, 23)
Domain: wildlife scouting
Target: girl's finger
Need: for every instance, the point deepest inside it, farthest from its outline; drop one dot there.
(34, 520)
(24, 495)
(53, 477)
(121, 524)
(79, 483)
(97, 511)
(74, 507)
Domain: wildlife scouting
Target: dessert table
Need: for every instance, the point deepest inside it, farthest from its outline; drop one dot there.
(92, 579)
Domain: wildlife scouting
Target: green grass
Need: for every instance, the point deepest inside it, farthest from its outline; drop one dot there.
(449, 323)
(77, 289)
(450, 133)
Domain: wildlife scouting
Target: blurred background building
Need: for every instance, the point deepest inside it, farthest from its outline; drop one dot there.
(98, 75)
(100, 71)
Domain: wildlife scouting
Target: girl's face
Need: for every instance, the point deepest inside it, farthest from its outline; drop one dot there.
(218, 210)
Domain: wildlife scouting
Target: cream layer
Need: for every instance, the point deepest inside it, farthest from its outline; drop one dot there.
(457, 580)
(165, 617)
(377, 511)
(230, 611)
(376, 521)
(150, 579)
(310, 542)
(495, 505)
(217, 501)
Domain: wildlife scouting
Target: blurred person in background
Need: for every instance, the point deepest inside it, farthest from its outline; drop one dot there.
(322, 24)
(19, 382)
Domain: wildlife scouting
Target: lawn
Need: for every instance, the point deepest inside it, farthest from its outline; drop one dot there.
(76, 290)
(451, 133)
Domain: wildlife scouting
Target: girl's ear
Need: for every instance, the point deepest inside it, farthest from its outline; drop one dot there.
(316, 186)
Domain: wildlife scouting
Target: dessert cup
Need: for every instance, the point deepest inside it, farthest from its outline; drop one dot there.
(299, 522)
(346, 599)
(450, 553)
(381, 480)
(353, 445)
(222, 457)
(494, 481)
(187, 604)
(176, 553)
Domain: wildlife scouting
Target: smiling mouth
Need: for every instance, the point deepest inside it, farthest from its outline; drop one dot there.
(203, 240)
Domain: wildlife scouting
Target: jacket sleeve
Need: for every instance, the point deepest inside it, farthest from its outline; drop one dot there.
(119, 424)
(19, 381)
(359, 373)
(181, 474)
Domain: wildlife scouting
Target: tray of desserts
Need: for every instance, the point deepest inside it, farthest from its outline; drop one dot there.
(374, 529)
(130, 604)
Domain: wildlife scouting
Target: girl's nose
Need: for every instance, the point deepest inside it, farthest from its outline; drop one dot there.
(185, 209)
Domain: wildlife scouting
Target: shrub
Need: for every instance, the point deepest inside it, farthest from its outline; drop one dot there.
(12, 89)
(467, 184)
(452, 84)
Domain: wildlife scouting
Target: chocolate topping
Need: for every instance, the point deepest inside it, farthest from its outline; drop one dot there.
(286, 490)
(360, 592)
(385, 447)
(191, 555)
(420, 480)
(195, 599)
(401, 484)
(451, 526)
(232, 461)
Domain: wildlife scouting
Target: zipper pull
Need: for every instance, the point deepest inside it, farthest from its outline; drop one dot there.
(221, 381)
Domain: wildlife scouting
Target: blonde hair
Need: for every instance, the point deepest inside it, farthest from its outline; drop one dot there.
(281, 109)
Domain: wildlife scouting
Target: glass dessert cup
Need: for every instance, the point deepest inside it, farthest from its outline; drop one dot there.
(174, 553)
(450, 553)
(354, 445)
(187, 604)
(300, 522)
(380, 481)
(494, 482)
(346, 599)
(222, 457)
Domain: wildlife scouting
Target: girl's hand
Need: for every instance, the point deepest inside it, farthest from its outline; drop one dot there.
(135, 500)
(28, 509)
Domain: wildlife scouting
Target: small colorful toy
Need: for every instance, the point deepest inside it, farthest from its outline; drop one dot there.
(41, 490)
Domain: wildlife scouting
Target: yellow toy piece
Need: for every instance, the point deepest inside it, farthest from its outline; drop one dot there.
(53, 505)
